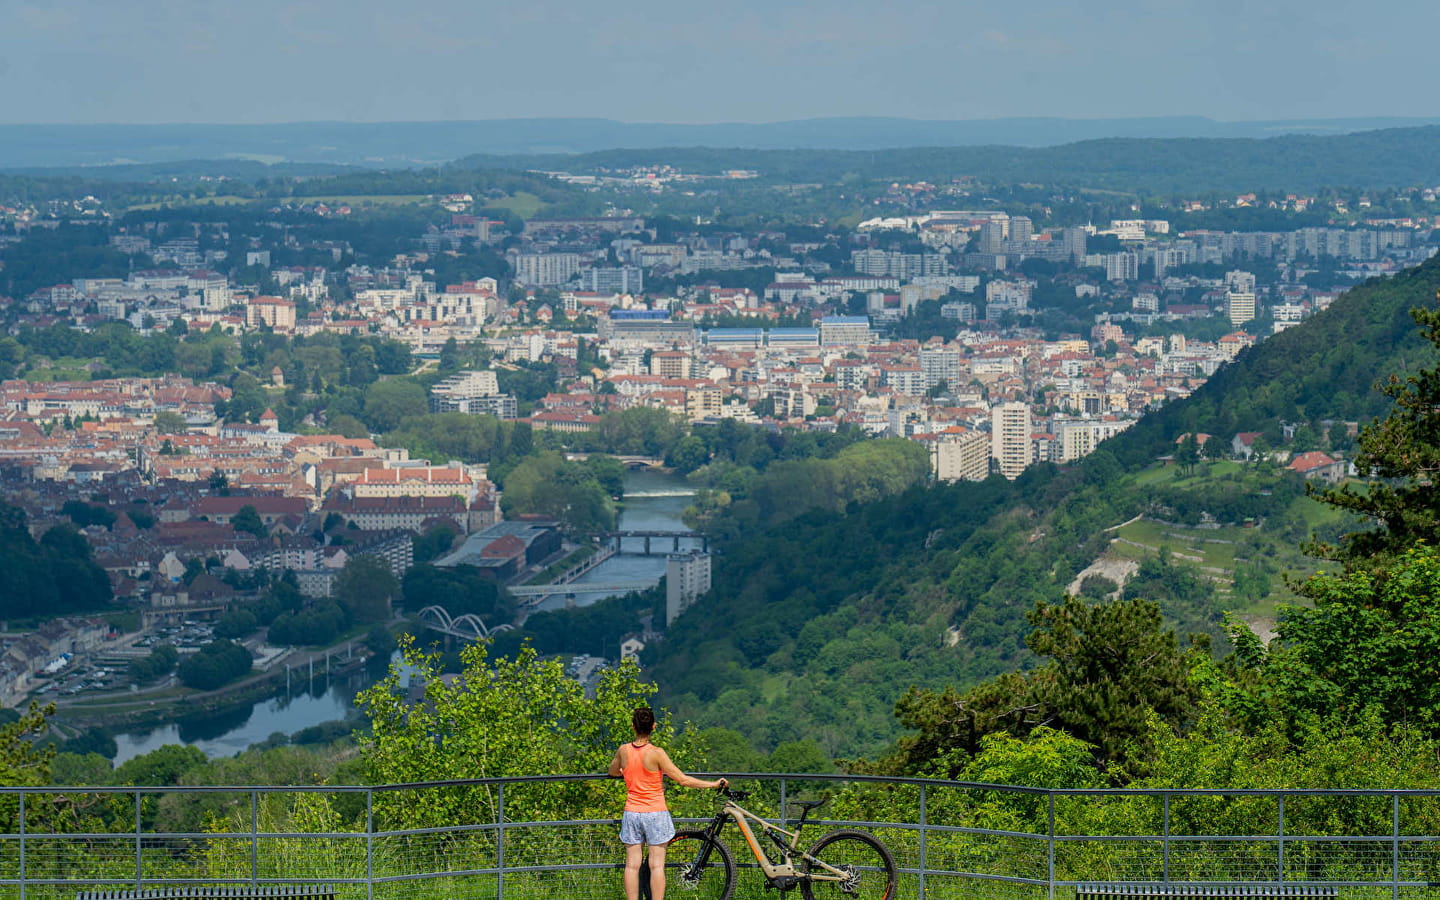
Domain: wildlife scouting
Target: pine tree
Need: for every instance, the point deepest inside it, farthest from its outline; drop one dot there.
(1402, 454)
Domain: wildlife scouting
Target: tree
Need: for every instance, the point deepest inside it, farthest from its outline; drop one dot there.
(348, 426)
(1114, 664)
(248, 521)
(1215, 448)
(216, 664)
(365, 588)
(459, 589)
(92, 740)
(434, 542)
(236, 624)
(549, 485)
(803, 756)
(220, 483)
(388, 403)
(167, 422)
(1370, 639)
(1402, 453)
(1113, 670)
(505, 716)
(688, 454)
(160, 767)
(160, 661)
(1187, 455)
(23, 762)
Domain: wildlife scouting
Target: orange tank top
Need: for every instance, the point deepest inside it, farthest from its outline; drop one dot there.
(645, 790)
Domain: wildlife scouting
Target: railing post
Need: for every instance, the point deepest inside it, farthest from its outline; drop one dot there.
(139, 879)
(923, 858)
(1395, 845)
(22, 845)
(784, 813)
(254, 838)
(1280, 852)
(500, 842)
(1165, 838)
(369, 845)
(1050, 863)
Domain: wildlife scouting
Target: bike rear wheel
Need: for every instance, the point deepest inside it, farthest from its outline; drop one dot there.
(696, 865)
(866, 870)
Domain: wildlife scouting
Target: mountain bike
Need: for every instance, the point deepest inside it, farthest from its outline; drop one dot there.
(843, 864)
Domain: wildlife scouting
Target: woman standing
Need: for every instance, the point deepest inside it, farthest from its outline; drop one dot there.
(646, 821)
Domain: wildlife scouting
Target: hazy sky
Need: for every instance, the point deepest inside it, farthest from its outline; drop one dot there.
(735, 60)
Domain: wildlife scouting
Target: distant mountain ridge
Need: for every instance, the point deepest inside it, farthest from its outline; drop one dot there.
(403, 144)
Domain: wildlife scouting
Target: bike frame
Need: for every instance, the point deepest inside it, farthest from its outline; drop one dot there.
(786, 867)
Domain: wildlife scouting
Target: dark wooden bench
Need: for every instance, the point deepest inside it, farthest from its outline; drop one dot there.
(217, 892)
(1143, 890)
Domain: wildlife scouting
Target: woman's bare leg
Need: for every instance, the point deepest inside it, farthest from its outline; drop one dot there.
(634, 853)
(657, 871)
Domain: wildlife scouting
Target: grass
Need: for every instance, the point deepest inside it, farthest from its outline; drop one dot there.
(522, 203)
(364, 199)
(1272, 547)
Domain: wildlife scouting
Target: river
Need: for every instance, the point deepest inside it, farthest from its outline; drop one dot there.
(653, 502)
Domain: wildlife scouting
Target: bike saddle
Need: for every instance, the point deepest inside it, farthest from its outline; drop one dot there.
(808, 804)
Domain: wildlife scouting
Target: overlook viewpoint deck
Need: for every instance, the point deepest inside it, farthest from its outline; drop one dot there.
(555, 837)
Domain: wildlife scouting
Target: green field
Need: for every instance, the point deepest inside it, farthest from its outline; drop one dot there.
(522, 203)
(1270, 548)
(363, 199)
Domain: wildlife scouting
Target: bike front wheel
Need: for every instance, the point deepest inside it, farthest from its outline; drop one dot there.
(696, 865)
(845, 865)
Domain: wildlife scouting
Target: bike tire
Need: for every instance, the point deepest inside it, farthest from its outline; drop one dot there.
(862, 853)
(714, 879)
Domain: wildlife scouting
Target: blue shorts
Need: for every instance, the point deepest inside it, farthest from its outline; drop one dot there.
(646, 828)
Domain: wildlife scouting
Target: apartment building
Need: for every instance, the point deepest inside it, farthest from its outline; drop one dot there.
(961, 455)
(1010, 444)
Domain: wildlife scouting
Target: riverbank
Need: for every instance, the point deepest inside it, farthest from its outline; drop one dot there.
(157, 706)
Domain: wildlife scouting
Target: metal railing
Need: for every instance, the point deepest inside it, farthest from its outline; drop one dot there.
(555, 837)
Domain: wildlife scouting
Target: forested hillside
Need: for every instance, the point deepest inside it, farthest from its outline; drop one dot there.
(1391, 157)
(817, 625)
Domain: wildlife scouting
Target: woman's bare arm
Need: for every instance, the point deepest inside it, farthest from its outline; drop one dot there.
(679, 777)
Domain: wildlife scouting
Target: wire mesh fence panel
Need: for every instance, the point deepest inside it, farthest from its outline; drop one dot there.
(998, 855)
(1410, 892)
(559, 838)
(80, 859)
(560, 845)
(433, 852)
(308, 858)
(438, 806)
(544, 801)
(179, 811)
(1224, 860)
(955, 887)
(467, 887)
(1322, 860)
(167, 858)
(1111, 860)
(1420, 861)
(581, 884)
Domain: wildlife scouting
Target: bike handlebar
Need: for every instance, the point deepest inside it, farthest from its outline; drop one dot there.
(730, 793)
